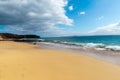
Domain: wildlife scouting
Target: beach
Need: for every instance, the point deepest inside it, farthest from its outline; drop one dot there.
(105, 55)
(23, 61)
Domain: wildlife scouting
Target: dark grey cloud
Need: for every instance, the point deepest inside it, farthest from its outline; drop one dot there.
(33, 15)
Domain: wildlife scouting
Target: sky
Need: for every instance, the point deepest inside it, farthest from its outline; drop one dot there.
(60, 17)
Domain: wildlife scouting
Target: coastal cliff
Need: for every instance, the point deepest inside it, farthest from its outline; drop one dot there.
(10, 37)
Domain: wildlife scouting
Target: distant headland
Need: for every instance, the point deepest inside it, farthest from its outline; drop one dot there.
(15, 37)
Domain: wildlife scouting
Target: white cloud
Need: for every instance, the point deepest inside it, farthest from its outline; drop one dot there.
(100, 18)
(82, 13)
(33, 15)
(70, 8)
(107, 30)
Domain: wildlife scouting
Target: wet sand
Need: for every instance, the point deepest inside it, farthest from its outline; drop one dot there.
(22, 61)
(105, 55)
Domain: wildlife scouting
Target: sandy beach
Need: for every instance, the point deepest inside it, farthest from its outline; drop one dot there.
(22, 61)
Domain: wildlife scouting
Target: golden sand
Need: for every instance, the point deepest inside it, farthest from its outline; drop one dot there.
(21, 61)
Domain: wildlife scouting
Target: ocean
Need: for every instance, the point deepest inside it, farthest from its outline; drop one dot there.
(111, 42)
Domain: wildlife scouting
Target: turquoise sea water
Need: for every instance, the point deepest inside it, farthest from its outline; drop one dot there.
(111, 42)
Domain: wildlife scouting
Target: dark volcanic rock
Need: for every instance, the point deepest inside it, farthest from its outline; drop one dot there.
(9, 36)
(30, 36)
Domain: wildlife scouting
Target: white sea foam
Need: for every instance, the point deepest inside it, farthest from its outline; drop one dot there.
(113, 48)
(96, 46)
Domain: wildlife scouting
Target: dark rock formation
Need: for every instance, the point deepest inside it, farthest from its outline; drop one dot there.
(9, 36)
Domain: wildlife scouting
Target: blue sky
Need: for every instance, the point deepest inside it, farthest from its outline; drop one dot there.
(98, 13)
(76, 17)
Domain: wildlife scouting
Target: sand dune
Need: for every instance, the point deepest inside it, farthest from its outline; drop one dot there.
(22, 61)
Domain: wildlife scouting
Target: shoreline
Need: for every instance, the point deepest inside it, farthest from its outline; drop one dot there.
(23, 61)
(108, 56)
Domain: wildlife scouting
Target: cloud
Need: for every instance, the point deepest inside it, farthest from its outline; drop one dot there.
(82, 13)
(38, 16)
(111, 29)
(100, 18)
(70, 8)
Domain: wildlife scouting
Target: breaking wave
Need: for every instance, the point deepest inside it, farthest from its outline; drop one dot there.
(97, 46)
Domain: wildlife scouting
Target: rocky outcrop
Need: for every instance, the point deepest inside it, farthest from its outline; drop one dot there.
(9, 36)
(1, 38)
